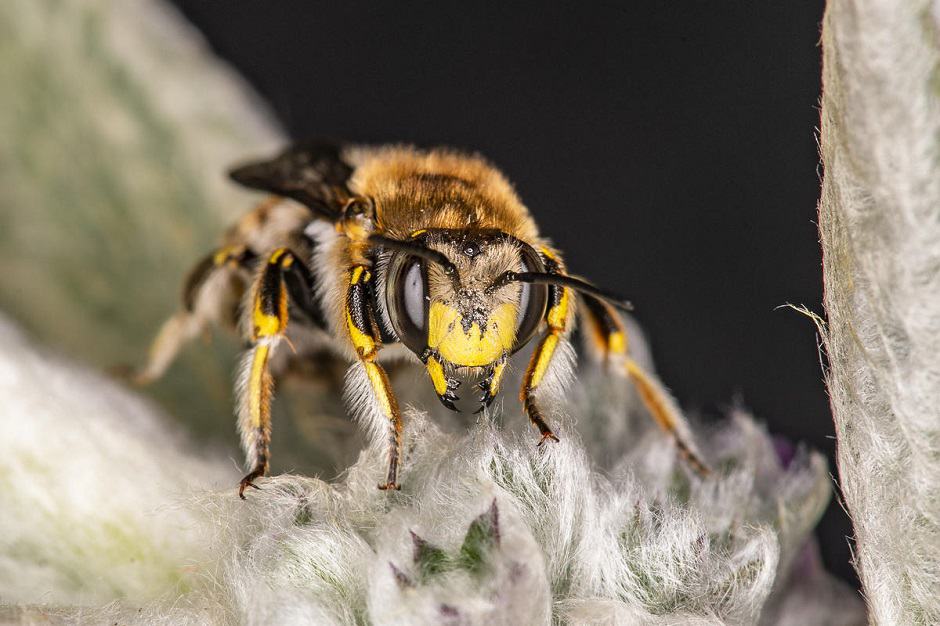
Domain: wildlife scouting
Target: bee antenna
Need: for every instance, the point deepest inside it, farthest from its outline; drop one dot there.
(565, 281)
(416, 249)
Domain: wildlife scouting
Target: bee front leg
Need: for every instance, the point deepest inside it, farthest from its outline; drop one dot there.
(255, 385)
(490, 384)
(606, 331)
(359, 322)
(558, 316)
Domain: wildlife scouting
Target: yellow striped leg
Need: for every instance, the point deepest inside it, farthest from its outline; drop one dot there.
(269, 321)
(359, 323)
(557, 316)
(606, 330)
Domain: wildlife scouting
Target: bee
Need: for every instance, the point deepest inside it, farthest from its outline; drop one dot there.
(388, 251)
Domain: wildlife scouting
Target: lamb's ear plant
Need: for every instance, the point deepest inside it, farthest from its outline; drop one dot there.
(879, 221)
(110, 513)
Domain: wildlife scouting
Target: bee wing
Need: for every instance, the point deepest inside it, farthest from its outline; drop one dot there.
(313, 173)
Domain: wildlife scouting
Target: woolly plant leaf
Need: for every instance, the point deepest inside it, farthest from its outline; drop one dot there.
(481, 537)
(429, 560)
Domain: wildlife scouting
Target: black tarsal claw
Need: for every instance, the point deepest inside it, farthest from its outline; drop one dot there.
(485, 400)
(546, 436)
(448, 400)
(450, 397)
(485, 386)
(247, 482)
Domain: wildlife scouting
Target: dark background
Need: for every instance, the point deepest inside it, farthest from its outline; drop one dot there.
(668, 148)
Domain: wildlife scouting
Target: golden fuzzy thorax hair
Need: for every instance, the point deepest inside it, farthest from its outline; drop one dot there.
(415, 189)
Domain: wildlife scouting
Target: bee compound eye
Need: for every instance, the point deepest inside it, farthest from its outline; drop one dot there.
(532, 300)
(412, 292)
(408, 303)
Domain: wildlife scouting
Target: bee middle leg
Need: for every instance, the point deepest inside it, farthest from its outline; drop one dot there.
(360, 322)
(255, 385)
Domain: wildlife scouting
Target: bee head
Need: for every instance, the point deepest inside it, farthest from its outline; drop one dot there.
(451, 304)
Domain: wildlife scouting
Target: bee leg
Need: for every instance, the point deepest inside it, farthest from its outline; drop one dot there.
(210, 293)
(255, 384)
(490, 385)
(360, 318)
(558, 317)
(446, 388)
(605, 330)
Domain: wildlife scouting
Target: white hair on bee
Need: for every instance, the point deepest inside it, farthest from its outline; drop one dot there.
(246, 429)
(364, 407)
(330, 288)
(109, 516)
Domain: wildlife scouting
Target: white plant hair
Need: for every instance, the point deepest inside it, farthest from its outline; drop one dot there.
(110, 515)
(878, 221)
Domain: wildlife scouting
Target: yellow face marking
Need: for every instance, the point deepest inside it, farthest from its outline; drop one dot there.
(473, 348)
(545, 357)
(436, 372)
(257, 385)
(548, 253)
(418, 233)
(558, 314)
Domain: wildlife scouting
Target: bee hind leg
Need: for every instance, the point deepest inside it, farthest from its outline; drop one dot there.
(606, 331)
